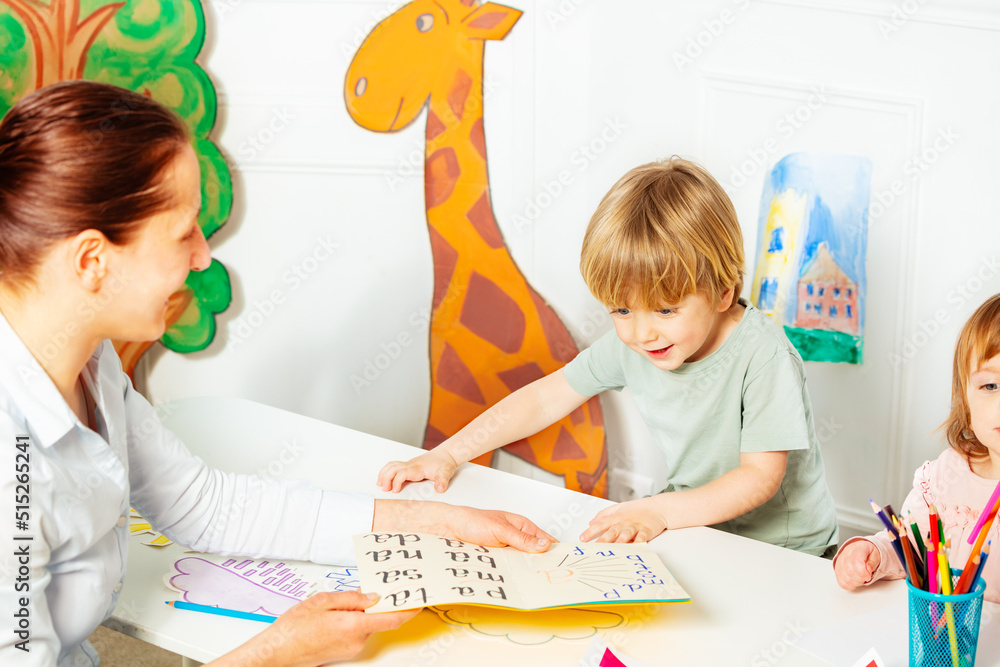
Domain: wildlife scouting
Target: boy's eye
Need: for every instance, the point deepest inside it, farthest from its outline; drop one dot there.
(666, 311)
(620, 312)
(990, 386)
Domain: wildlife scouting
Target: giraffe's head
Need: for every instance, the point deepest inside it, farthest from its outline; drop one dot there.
(414, 54)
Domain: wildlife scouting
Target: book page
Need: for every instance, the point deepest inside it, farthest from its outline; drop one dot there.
(412, 570)
(592, 573)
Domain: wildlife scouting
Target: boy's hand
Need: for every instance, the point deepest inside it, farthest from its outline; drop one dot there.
(632, 521)
(856, 564)
(437, 465)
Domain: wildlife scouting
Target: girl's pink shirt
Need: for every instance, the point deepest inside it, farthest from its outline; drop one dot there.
(960, 496)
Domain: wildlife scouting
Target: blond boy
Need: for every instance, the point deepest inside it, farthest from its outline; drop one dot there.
(718, 384)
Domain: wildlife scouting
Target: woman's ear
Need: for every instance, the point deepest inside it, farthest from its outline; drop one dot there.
(89, 254)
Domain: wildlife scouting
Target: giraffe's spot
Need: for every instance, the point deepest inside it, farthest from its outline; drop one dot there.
(515, 378)
(433, 437)
(596, 416)
(587, 481)
(576, 416)
(566, 447)
(492, 315)
(459, 93)
(445, 259)
(523, 450)
(454, 376)
(440, 176)
(487, 20)
(561, 344)
(481, 217)
(434, 125)
(478, 138)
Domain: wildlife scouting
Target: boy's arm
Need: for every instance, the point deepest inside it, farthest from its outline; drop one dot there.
(733, 494)
(746, 487)
(522, 413)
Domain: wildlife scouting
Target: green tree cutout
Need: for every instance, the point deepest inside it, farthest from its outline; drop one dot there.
(148, 46)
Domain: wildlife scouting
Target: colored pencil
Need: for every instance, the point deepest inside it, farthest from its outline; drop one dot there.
(909, 562)
(884, 518)
(219, 611)
(880, 513)
(982, 563)
(968, 574)
(948, 611)
(916, 536)
(983, 532)
(991, 508)
(932, 566)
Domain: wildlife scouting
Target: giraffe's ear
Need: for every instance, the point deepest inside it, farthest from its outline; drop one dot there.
(490, 21)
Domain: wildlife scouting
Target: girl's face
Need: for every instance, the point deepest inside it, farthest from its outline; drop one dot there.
(156, 262)
(983, 394)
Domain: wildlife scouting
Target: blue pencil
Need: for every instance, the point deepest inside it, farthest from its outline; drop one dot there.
(982, 563)
(219, 611)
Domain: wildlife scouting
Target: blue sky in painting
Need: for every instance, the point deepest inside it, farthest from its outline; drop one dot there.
(839, 191)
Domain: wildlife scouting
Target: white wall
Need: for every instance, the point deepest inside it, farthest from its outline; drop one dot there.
(880, 79)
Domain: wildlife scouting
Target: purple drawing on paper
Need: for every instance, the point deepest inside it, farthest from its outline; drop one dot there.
(265, 587)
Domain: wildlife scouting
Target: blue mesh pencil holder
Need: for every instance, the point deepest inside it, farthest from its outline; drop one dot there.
(944, 629)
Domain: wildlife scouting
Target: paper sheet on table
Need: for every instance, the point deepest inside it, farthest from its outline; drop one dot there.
(412, 570)
(887, 631)
(268, 586)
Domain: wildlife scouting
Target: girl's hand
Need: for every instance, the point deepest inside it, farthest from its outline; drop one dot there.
(632, 521)
(856, 564)
(437, 465)
(323, 628)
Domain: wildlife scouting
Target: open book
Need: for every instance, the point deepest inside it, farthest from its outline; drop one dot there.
(412, 570)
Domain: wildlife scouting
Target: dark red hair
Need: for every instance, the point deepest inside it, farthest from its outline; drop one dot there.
(80, 155)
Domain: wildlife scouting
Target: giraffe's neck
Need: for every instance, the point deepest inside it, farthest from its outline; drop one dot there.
(456, 181)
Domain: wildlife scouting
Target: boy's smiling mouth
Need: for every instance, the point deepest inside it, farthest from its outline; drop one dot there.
(662, 352)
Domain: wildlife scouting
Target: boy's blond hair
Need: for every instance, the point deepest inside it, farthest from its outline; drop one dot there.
(978, 343)
(664, 231)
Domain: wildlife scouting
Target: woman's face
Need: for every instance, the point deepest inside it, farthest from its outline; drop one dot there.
(155, 263)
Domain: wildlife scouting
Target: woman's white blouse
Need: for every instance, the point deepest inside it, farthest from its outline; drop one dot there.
(69, 563)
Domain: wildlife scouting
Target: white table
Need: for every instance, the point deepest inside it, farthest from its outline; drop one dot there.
(751, 601)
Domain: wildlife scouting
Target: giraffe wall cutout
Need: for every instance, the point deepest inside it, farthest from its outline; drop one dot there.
(491, 333)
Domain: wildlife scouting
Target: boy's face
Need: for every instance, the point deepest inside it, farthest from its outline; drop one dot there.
(687, 331)
(983, 394)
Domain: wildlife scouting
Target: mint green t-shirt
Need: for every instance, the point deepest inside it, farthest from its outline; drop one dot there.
(748, 396)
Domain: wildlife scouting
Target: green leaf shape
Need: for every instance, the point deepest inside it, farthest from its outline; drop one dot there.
(216, 187)
(15, 60)
(150, 47)
(196, 327)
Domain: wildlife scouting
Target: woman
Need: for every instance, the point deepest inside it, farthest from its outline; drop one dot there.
(99, 198)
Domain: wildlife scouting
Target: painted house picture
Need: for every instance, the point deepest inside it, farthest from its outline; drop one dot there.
(810, 272)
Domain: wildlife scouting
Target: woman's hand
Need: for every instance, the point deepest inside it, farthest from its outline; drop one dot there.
(323, 628)
(490, 528)
(437, 465)
(633, 521)
(856, 564)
